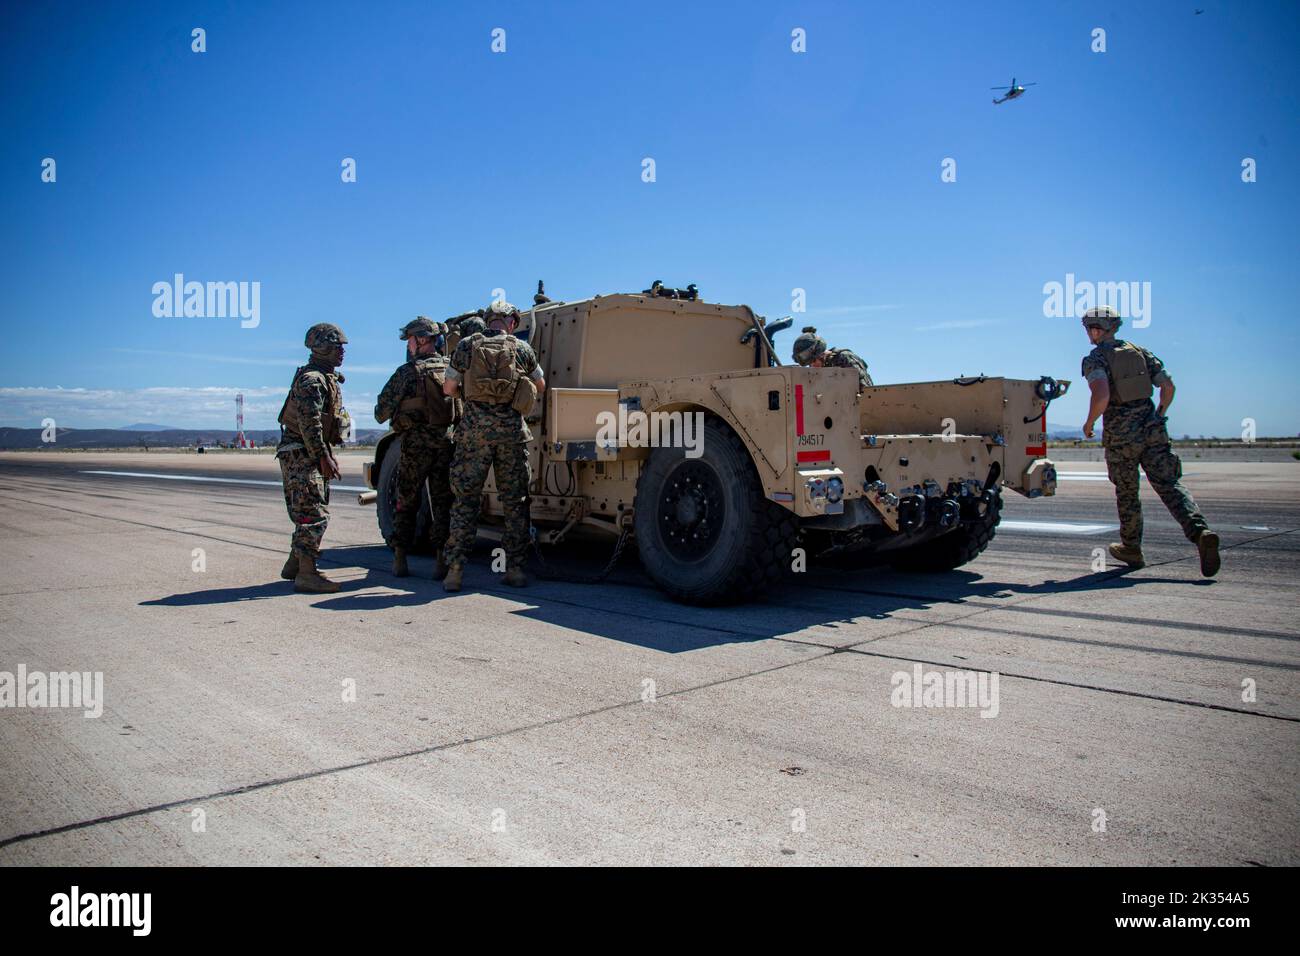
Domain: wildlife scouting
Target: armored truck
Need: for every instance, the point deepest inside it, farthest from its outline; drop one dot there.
(671, 423)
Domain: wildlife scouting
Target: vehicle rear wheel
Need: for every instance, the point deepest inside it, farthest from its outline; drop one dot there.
(952, 550)
(704, 531)
(386, 501)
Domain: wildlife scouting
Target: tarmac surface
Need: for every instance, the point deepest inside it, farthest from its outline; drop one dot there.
(1142, 717)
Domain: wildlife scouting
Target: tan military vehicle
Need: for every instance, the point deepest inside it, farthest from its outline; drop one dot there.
(673, 421)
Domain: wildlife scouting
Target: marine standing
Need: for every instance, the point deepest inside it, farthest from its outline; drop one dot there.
(312, 423)
(423, 415)
(810, 349)
(500, 381)
(1122, 377)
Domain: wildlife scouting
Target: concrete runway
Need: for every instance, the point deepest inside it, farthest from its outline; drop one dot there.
(501, 726)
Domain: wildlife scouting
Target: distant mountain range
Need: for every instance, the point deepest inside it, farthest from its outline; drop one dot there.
(148, 428)
(136, 436)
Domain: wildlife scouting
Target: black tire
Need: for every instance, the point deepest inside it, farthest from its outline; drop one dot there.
(386, 501)
(952, 550)
(704, 531)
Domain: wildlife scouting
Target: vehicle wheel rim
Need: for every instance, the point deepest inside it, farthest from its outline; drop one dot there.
(692, 511)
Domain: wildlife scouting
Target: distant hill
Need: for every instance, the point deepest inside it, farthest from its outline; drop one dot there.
(22, 438)
(1067, 432)
(148, 428)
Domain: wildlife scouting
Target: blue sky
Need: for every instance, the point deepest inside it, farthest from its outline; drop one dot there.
(775, 171)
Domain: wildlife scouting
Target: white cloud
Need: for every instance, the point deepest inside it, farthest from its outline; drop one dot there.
(209, 407)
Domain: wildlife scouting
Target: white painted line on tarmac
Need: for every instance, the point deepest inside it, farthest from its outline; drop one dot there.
(1056, 527)
(1082, 476)
(224, 481)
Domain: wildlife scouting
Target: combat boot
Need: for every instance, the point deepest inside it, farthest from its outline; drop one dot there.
(290, 569)
(400, 569)
(1207, 542)
(440, 569)
(516, 578)
(451, 580)
(311, 581)
(1130, 556)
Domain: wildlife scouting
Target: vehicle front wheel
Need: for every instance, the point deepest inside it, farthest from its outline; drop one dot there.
(386, 501)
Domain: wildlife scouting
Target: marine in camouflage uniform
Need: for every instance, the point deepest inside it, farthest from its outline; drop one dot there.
(312, 422)
(810, 349)
(419, 411)
(1121, 376)
(493, 434)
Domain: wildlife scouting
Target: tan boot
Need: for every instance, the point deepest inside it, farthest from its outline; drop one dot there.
(440, 569)
(516, 578)
(1208, 544)
(1130, 556)
(290, 569)
(311, 581)
(451, 580)
(400, 569)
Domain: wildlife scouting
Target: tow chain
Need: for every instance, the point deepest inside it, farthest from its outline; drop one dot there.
(546, 574)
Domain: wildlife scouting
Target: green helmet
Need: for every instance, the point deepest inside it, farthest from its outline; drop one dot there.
(323, 335)
(471, 325)
(421, 327)
(1102, 317)
(808, 346)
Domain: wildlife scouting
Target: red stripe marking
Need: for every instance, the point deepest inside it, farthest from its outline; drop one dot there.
(1039, 450)
(798, 409)
(803, 456)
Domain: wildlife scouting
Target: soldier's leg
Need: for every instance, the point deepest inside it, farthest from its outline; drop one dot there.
(412, 468)
(1164, 472)
(306, 495)
(469, 468)
(510, 466)
(1122, 467)
(440, 494)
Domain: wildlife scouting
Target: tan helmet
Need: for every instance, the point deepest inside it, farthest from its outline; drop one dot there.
(1102, 317)
(808, 346)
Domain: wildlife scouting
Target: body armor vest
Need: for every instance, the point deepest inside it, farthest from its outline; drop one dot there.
(493, 375)
(331, 418)
(1130, 380)
(429, 402)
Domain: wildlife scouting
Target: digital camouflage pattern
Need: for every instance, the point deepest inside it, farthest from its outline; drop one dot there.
(843, 358)
(495, 437)
(1134, 435)
(313, 396)
(426, 453)
(307, 497)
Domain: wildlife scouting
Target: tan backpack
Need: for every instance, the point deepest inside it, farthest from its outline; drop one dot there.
(434, 407)
(493, 374)
(1130, 378)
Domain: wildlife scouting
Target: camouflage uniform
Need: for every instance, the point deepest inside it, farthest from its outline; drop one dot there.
(843, 358)
(312, 421)
(490, 436)
(425, 455)
(1132, 435)
(810, 346)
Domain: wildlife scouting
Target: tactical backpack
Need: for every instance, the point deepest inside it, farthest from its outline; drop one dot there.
(493, 375)
(1130, 378)
(429, 403)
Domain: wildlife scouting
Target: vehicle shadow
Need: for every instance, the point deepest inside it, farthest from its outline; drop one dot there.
(626, 606)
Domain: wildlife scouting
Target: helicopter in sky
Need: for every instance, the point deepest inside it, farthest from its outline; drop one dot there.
(1012, 92)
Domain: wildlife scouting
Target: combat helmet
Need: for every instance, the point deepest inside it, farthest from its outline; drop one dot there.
(808, 345)
(471, 325)
(1102, 317)
(324, 335)
(421, 327)
(502, 310)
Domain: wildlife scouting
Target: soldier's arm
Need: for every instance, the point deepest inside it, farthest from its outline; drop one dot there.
(456, 367)
(389, 397)
(529, 366)
(1160, 378)
(310, 396)
(1094, 373)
